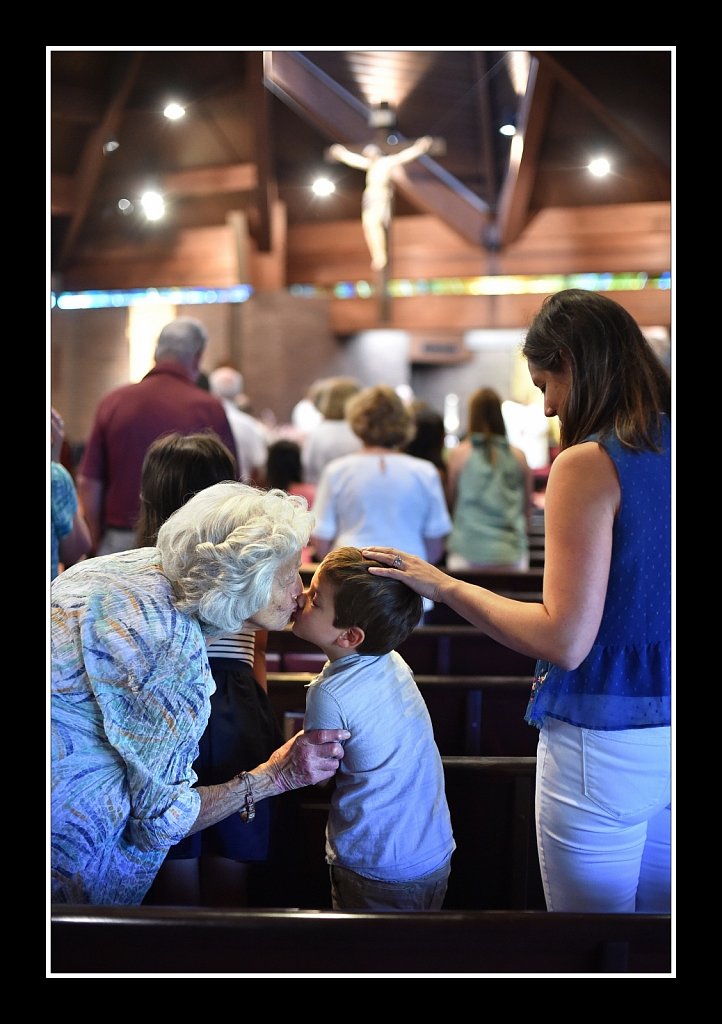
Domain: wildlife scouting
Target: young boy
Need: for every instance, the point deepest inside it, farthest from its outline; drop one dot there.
(388, 838)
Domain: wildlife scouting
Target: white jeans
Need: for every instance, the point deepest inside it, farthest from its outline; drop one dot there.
(603, 819)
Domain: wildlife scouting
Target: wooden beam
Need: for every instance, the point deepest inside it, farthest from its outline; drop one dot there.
(343, 118)
(584, 96)
(513, 209)
(92, 160)
(206, 181)
(481, 66)
(267, 195)
(200, 181)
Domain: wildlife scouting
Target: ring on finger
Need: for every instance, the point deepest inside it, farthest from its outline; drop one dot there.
(397, 563)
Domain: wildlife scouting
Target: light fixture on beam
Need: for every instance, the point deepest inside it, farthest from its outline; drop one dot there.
(382, 116)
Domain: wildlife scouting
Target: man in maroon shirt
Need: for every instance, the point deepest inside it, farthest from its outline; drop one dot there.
(130, 418)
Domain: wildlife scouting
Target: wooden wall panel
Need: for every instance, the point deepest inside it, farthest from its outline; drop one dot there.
(610, 239)
(469, 312)
(89, 357)
(285, 343)
(197, 257)
(281, 343)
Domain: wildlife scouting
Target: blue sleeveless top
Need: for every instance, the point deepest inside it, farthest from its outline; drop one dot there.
(625, 680)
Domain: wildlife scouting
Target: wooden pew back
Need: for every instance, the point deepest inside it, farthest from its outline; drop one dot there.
(186, 940)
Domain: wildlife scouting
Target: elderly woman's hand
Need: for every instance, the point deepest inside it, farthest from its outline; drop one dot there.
(307, 758)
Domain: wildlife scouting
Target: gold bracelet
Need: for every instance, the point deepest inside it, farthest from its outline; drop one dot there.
(248, 811)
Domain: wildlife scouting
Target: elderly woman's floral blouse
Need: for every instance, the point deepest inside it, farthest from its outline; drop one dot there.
(130, 699)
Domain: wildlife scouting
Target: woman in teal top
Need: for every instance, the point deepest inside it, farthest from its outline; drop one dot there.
(489, 491)
(602, 632)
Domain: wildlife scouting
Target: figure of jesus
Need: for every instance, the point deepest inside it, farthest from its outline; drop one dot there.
(378, 193)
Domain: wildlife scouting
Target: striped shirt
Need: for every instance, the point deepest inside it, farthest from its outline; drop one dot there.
(239, 646)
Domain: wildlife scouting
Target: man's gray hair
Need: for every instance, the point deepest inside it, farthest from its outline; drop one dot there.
(183, 339)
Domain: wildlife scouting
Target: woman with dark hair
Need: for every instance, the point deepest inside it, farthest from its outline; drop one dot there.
(601, 695)
(429, 440)
(490, 493)
(211, 867)
(176, 466)
(284, 469)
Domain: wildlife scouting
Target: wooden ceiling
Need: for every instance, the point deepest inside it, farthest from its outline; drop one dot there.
(258, 125)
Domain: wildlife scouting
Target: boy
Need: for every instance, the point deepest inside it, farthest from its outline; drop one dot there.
(388, 838)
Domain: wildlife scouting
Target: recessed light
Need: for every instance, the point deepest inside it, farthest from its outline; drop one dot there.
(323, 187)
(153, 205)
(599, 167)
(174, 111)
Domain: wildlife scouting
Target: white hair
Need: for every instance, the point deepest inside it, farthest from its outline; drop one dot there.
(223, 548)
(225, 382)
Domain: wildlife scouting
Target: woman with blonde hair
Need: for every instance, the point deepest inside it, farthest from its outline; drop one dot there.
(380, 493)
(333, 436)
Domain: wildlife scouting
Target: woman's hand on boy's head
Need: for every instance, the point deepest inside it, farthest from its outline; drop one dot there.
(418, 574)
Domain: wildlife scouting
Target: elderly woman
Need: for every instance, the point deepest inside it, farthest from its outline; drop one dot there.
(131, 687)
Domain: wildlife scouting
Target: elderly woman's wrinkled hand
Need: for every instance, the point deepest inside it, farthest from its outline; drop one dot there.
(308, 758)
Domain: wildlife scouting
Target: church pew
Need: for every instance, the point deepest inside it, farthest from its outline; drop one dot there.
(250, 942)
(430, 649)
(495, 864)
(520, 585)
(451, 649)
(471, 715)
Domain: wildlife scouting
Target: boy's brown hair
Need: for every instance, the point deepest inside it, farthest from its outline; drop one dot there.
(385, 609)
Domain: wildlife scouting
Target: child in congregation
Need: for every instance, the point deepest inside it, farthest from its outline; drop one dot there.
(214, 867)
(389, 838)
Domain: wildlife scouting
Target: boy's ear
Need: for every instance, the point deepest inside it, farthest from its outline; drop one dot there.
(351, 637)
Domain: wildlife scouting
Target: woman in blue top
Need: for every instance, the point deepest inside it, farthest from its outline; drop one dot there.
(602, 633)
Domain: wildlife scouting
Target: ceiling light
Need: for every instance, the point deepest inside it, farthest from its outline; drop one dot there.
(174, 111)
(599, 167)
(382, 116)
(153, 205)
(323, 187)
(507, 129)
(110, 146)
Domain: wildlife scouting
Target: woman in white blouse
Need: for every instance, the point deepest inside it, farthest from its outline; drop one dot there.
(380, 494)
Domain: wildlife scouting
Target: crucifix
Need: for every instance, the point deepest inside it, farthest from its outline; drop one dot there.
(379, 159)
